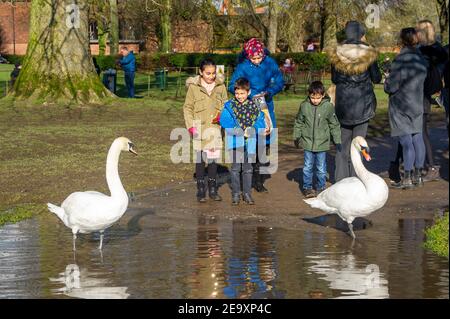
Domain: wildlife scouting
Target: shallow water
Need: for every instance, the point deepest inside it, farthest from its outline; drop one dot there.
(204, 256)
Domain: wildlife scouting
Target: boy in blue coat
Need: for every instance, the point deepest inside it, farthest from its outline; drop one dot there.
(266, 80)
(242, 120)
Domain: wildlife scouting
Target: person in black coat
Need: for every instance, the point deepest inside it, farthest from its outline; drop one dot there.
(436, 57)
(354, 69)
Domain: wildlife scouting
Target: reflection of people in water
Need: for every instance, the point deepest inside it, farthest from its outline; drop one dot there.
(252, 266)
(208, 276)
(79, 283)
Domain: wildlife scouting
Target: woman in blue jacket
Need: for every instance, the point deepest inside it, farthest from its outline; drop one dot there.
(265, 79)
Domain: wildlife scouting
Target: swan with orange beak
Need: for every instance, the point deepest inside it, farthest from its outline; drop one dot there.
(354, 197)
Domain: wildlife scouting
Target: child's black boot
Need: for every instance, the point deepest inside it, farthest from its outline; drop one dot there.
(212, 189)
(201, 190)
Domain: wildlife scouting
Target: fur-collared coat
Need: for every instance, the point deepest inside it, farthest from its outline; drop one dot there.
(354, 70)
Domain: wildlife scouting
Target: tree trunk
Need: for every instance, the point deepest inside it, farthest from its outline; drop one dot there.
(328, 25)
(295, 32)
(273, 26)
(114, 28)
(166, 33)
(58, 65)
(442, 9)
(102, 37)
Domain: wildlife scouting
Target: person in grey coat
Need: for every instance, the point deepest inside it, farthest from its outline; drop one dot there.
(405, 85)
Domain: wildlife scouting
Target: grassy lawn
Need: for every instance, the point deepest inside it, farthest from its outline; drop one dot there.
(437, 236)
(51, 151)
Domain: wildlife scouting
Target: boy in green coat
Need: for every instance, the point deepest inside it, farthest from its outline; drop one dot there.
(314, 124)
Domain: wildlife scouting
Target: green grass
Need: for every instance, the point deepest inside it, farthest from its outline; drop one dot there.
(437, 236)
(19, 213)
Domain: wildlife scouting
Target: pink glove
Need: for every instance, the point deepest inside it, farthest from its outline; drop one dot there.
(216, 120)
(193, 131)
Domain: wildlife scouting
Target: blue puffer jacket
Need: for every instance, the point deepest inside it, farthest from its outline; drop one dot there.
(265, 77)
(128, 62)
(233, 132)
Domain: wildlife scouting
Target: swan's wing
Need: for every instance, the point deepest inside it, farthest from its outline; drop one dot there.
(92, 211)
(94, 193)
(344, 191)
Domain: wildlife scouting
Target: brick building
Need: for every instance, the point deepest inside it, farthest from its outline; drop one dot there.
(187, 36)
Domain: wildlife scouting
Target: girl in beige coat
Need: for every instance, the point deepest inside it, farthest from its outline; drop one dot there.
(205, 98)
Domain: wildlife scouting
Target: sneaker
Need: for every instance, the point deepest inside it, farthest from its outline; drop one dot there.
(309, 193)
(235, 199)
(248, 199)
(431, 175)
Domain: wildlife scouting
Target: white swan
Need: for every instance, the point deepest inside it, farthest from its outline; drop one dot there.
(354, 196)
(86, 212)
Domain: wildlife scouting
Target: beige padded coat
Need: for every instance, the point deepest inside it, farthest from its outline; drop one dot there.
(200, 109)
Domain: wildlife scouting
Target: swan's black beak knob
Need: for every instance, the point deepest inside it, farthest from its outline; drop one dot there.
(132, 148)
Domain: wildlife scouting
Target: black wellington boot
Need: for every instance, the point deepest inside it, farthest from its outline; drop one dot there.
(201, 190)
(212, 189)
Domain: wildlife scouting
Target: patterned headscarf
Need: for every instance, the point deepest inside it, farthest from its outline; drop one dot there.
(254, 47)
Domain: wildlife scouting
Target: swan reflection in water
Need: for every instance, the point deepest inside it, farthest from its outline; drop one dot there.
(83, 284)
(355, 280)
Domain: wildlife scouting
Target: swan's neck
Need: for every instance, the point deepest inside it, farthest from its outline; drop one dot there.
(112, 172)
(362, 173)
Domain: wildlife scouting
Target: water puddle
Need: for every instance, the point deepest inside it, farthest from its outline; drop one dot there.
(147, 255)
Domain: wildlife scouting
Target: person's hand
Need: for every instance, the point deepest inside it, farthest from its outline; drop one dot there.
(339, 147)
(297, 143)
(267, 131)
(260, 94)
(216, 120)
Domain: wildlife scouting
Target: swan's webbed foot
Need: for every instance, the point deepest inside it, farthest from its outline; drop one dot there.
(350, 227)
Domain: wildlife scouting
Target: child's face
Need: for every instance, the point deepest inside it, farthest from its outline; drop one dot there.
(241, 95)
(316, 98)
(209, 74)
(256, 59)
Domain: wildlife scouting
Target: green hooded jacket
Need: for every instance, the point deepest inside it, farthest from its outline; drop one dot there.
(315, 124)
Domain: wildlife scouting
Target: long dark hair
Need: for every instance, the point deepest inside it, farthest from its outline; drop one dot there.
(408, 37)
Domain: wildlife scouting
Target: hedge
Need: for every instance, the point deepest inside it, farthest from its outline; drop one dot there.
(151, 61)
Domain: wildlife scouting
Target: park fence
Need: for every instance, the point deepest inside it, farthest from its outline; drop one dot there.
(170, 82)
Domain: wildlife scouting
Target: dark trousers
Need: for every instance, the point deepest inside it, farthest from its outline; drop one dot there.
(200, 166)
(344, 167)
(129, 82)
(241, 164)
(413, 150)
(257, 175)
(429, 161)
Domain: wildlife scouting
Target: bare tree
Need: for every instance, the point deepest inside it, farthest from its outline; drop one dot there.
(58, 65)
(114, 28)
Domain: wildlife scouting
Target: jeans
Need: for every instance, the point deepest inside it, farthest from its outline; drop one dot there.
(129, 82)
(320, 161)
(413, 151)
(241, 163)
